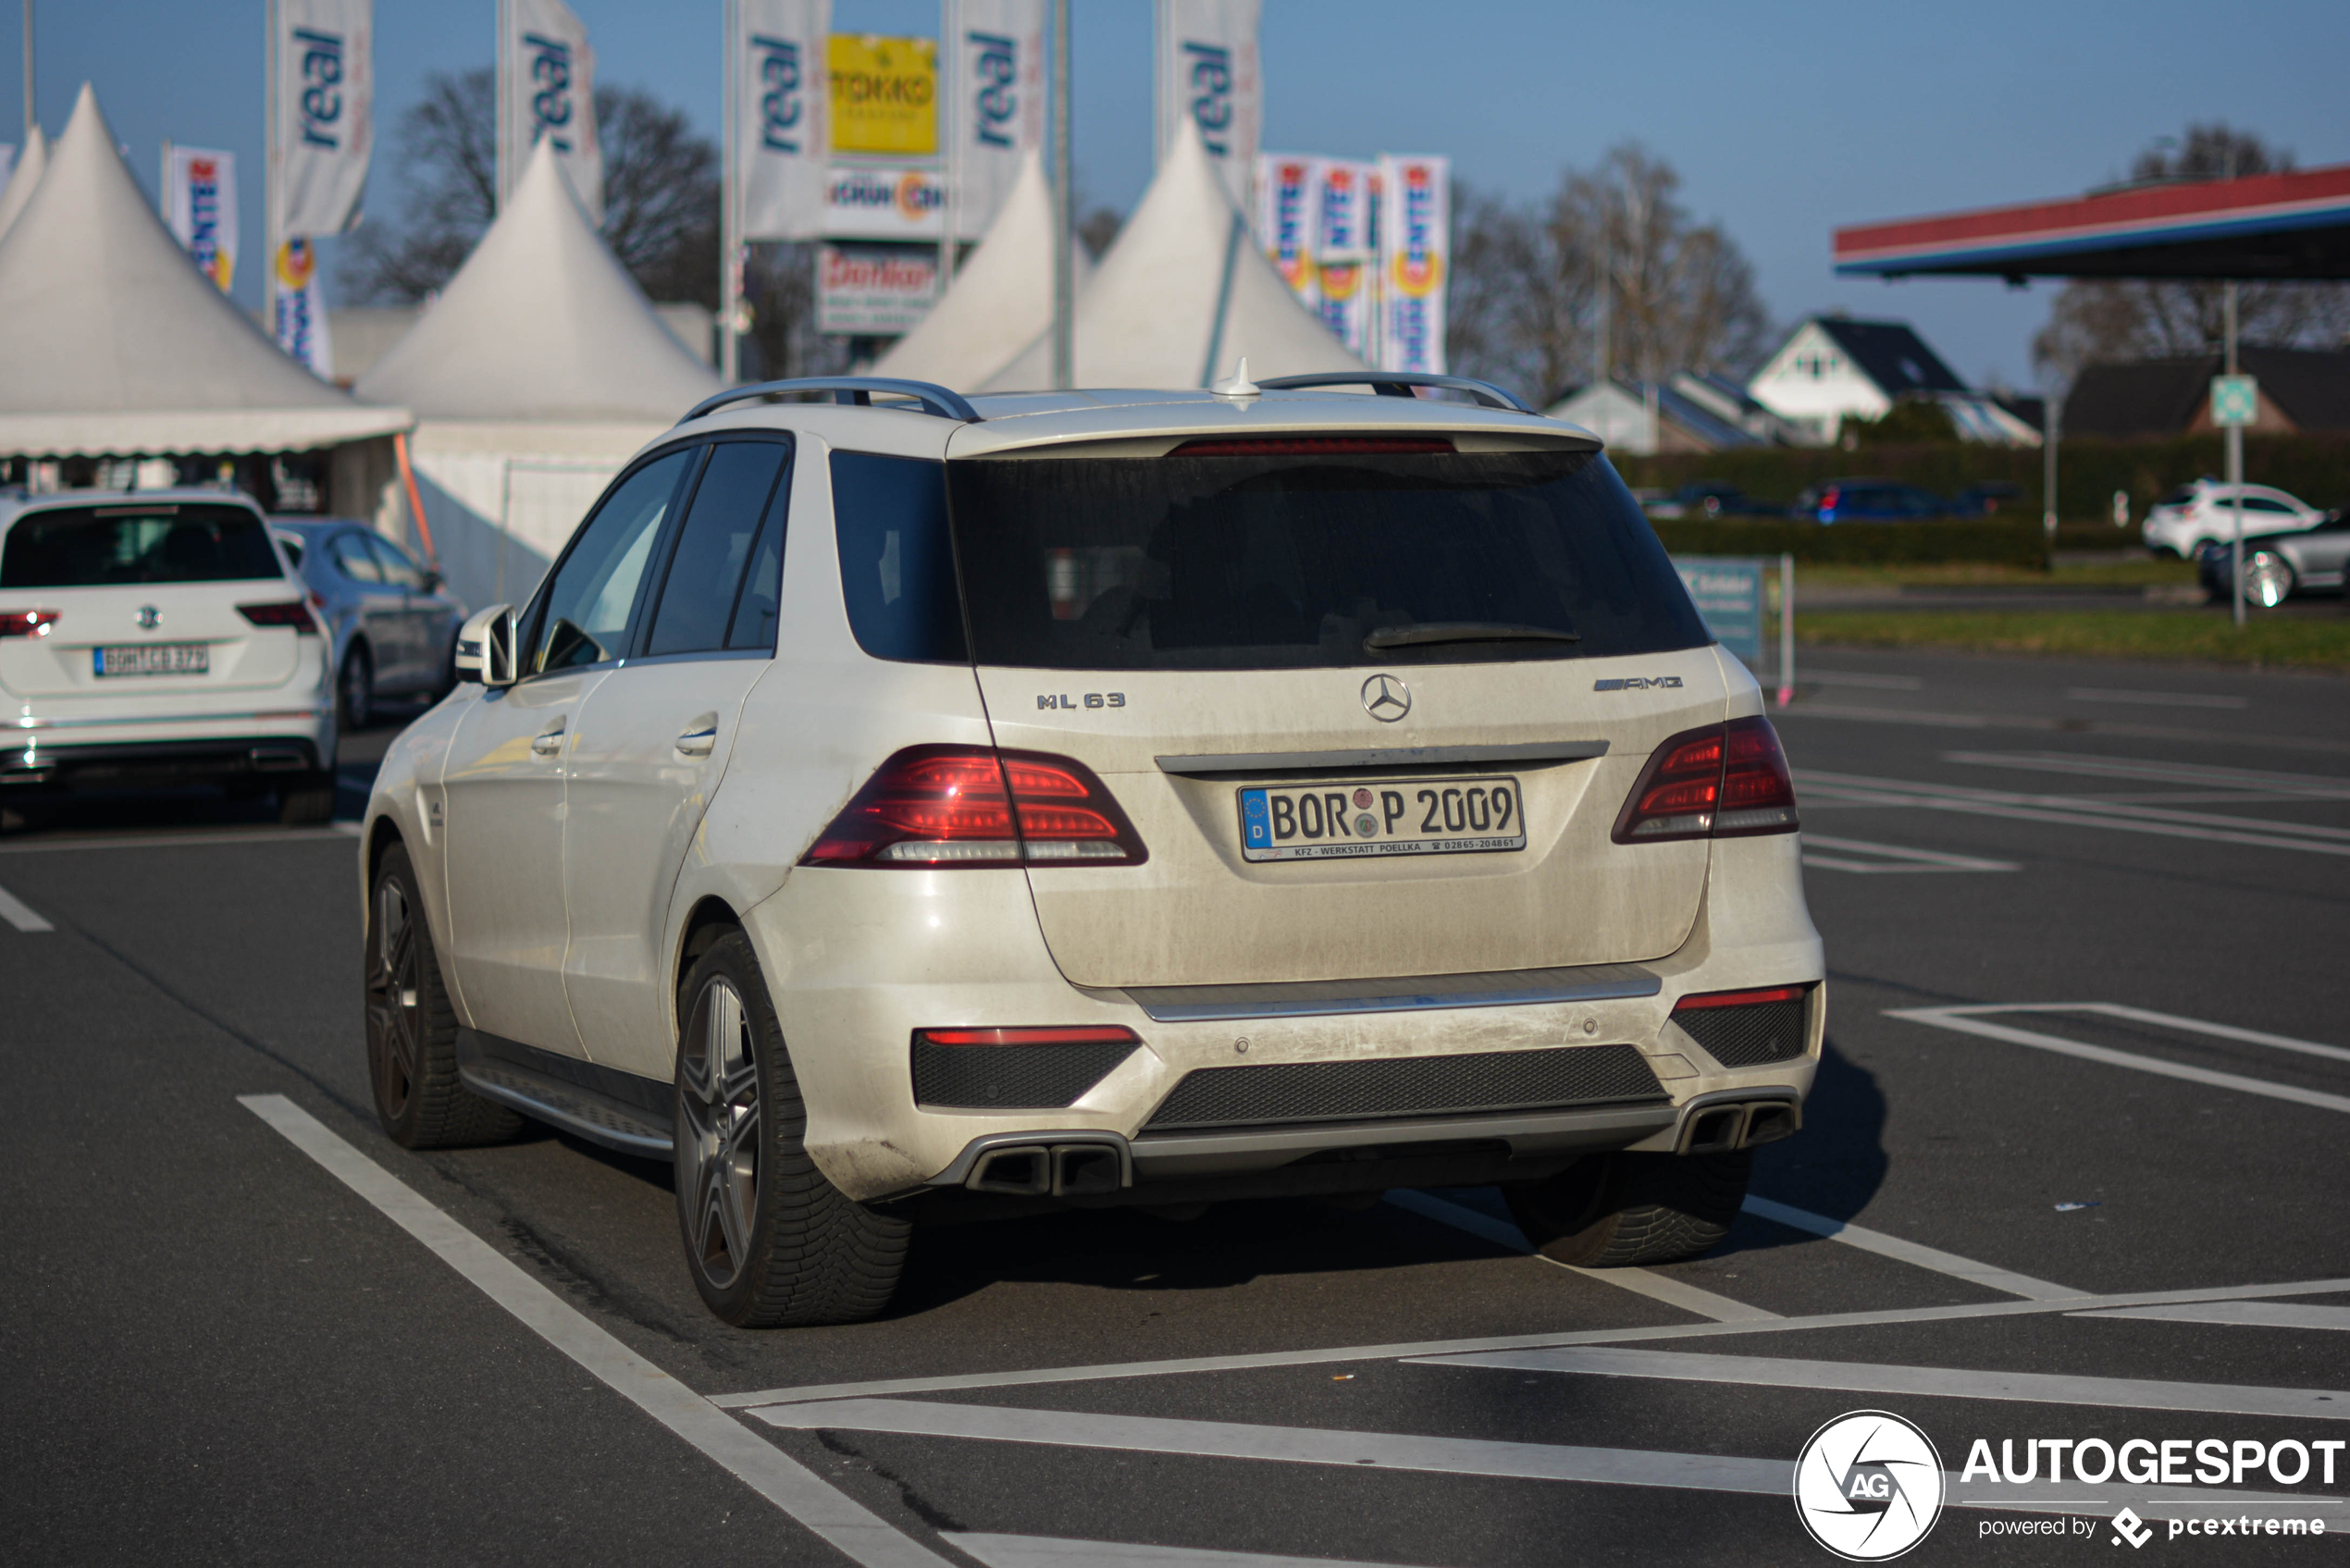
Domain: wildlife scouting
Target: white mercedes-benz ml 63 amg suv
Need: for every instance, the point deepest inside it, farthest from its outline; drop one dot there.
(909, 807)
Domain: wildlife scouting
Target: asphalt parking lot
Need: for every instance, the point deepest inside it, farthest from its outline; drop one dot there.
(2074, 1170)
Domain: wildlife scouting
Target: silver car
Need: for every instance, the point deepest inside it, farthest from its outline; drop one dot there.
(2277, 565)
(393, 622)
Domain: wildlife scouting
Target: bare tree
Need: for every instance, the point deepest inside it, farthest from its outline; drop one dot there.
(1612, 276)
(2106, 320)
(661, 194)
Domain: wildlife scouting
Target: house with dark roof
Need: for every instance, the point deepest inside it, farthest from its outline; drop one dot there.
(2300, 389)
(1834, 367)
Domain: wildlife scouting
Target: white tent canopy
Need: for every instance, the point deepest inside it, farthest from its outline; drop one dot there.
(1001, 299)
(542, 323)
(1182, 296)
(30, 163)
(112, 343)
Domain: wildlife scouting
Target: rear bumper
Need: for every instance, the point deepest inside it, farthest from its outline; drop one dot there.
(856, 961)
(297, 747)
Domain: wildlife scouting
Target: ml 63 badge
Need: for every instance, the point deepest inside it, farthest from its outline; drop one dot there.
(1383, 817)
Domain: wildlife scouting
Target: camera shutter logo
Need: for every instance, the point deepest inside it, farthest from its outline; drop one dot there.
(1868, 1486)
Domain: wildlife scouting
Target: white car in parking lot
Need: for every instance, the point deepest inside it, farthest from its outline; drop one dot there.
(924, 809)
(159, 636)
(2194, 515)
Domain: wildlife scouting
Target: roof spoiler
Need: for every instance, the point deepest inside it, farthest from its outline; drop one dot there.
(1398, 384)
(857, 390)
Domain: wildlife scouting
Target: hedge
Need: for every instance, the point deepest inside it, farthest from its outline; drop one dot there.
(2316, 468)
(2000, 540)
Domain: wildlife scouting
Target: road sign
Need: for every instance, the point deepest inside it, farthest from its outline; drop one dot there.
(2235, 400)
(1729, 591)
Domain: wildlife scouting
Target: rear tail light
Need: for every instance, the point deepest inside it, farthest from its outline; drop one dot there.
(942, 806)
(287, 612)
(1725, 780)
(27, 622)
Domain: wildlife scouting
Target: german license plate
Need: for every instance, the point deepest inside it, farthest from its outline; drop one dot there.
(1382, 816)
(153, 659)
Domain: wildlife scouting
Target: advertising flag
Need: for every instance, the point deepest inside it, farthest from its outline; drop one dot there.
(779, 73)
(322, 109)
(301, 308)
(200, 208)
(547, 91)
(1343, 255)
(1207, 72)
(1415, 261)
(1287, 195)
(996, 116)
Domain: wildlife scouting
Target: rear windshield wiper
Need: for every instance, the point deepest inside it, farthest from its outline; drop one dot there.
(1385, 637)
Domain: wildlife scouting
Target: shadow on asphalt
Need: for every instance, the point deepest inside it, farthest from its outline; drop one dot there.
(1836, 1165)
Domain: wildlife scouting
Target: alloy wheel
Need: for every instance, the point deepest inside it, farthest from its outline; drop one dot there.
(2268, 579)
(395, 1020)
(719, 1133)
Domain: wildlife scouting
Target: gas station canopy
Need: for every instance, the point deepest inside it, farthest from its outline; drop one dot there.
(2261, 228)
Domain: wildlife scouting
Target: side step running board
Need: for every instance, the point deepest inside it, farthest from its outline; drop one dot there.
(484, 1065)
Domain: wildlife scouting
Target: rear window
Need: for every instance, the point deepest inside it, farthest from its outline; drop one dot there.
(84, 547)
(1278, 561)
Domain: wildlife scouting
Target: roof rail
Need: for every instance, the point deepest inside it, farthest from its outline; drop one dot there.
(857, 390)
(1399, 384)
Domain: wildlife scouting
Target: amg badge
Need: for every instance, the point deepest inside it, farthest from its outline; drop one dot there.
(1637, 683)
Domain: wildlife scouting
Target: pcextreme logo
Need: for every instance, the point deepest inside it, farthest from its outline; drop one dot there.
(1868, 1486)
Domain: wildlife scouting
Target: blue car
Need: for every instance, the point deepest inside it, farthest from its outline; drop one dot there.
(1867, 500)
(392, 622)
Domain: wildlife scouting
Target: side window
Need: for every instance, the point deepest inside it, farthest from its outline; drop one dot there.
(897, 565)
(350, 557)
(756, 610)
(593, 595)
(398, 571)
(706, 569)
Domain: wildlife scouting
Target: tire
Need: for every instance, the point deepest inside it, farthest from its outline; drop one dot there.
(355, 688)
(768, 1242)
(1615, 1211)
(412, 1029)
(308, 801)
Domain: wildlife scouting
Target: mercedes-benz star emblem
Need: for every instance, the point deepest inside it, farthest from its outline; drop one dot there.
(1386, 698)
(149, 618)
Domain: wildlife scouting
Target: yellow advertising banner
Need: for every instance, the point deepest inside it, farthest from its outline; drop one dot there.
(884, 94)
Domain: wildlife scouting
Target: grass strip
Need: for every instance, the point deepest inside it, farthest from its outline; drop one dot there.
(2321, 643)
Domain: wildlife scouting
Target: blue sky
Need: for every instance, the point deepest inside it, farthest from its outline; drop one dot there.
(1784, 120)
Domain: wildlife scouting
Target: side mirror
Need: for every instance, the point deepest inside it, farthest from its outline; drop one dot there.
(486, 647)
(431, 583)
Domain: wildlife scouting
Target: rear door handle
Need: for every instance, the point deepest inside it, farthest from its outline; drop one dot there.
(698, 741)
(547, 742)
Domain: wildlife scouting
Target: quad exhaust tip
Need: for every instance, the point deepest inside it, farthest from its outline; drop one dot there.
(1057, 1170)
(1719, 1128)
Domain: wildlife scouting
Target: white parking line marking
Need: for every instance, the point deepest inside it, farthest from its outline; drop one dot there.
(20, 914)
(2074, 811)
(2258, 1314)
(1934, 1258)
(1449, 1456)
(2170, 1020)
(1959, 1020)
(2153, 698)
(2317, 786)
(1673, 1293)
(856, 1533)
(1940, 1382)
(2045, 722)
(1892, 858)
(1110, 1371)
(1042, 1551)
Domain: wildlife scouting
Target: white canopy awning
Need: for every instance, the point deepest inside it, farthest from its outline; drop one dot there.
(1183, 295)
(1001, 299)
(542, 323)
(112, 343)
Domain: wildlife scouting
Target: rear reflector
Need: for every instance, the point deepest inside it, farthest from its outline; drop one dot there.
(1725, 780)
(934, 807)
(1075, 1034)
(1740, 998)
(1313, 446)
(27, 622)
(288, 612)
